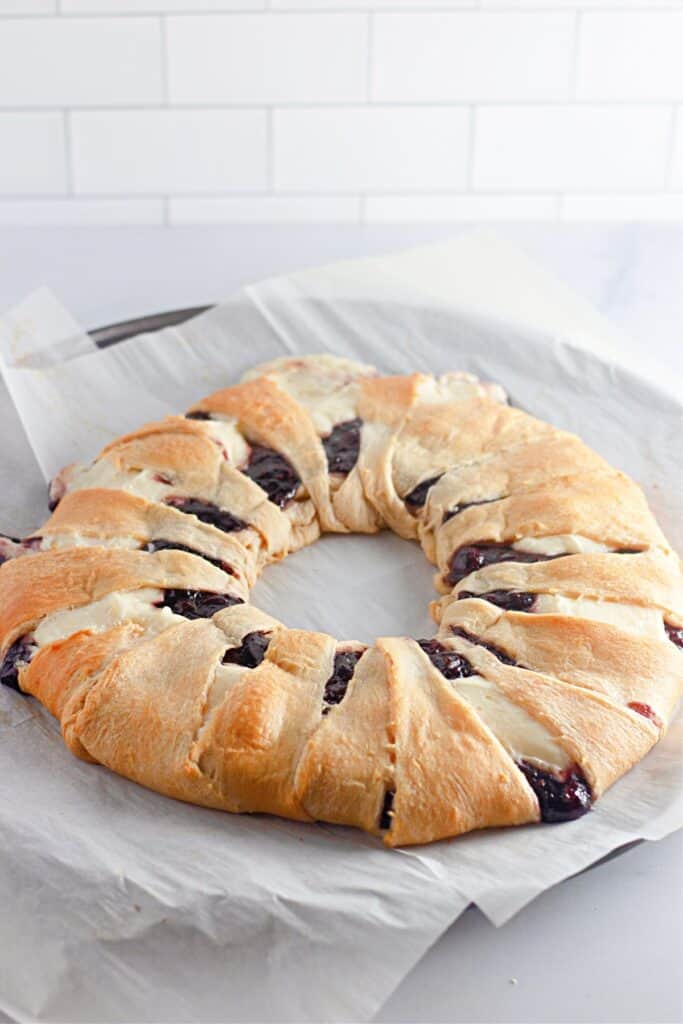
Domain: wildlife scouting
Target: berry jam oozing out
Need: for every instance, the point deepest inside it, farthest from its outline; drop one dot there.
(646, 711)
(491, 648)
(472, 557)
(675, 634)
(198, 414)
(250, 652)
(342, 446)
(56, 489)
(14, 547)
(336, 686)
(509, 600)
(457, 509)
(416, 498)
(449, 663)
(197, 604)
(387, 812)
(562, 796)
(273, 473)
(169, 545)
(20, 653)
(209, 513)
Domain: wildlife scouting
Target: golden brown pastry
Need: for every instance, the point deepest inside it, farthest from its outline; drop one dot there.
(556, 666)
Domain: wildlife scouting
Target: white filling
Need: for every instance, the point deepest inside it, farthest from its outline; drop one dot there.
(103, 473)
(454, 387)
(326, 386)
(58, 541)
(522, 736)
(113, 610)
(631, 618)
(561, 544)
(325, 407)
(226, 432)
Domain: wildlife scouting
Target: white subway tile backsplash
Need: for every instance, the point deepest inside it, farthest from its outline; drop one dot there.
(662, 207)
(260, 58)
(26, 7)
(677, 152)
(80, 61)
(350, 149)
(169, 151)
(581, 5)
(631, 55)
(79, 212)
(571, 148)
(158, 6)
(442, 209)
(366, 5)
(266, 210)
(423, 57)
(340, 111)
(33, 153)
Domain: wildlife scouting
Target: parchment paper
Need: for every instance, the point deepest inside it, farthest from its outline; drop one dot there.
(135, 907)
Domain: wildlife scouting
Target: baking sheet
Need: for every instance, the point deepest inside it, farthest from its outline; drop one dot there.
(141, 908)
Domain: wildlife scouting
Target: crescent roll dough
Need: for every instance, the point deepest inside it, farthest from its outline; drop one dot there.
(557, 661)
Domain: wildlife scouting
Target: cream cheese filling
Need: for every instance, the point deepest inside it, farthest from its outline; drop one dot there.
(114, 609)
(326, 386)
(225, 431)
(631, 618)
(523, 737)
(59, 541)
(560, 544)
(142, 482)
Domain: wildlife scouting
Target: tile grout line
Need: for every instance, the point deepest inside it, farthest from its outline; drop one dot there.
(163, 42)
(68, 154)
(354, 105)
(369, 56)
(270, 151)
(574, 68)
(472, 145)
(674, 130)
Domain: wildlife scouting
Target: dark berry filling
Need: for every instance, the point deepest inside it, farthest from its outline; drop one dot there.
(209, 513)
(336, 686)
(250, 652)
(457, 509)
(647, 712)
(417, 497)
(169, 545)
(510, 600)
(13, 547)
(197, 604)
(449, 663)
(675, 634)
(198, 414)
(342, 446)
(562, 797)
(273, 473)
(491, 648)
(472, 557)
(20, 653)
(56, 489)
(387, 812)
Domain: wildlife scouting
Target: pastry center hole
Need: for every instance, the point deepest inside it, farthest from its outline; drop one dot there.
(355, 587)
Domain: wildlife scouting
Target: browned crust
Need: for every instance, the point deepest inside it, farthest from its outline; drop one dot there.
(36, 586)
(461, 779)
(606, 508)
(166, 712)
(103, 514)
(650, 578)
(589, 654)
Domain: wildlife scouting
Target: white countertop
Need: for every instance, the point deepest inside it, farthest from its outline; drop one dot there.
(606, 946)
